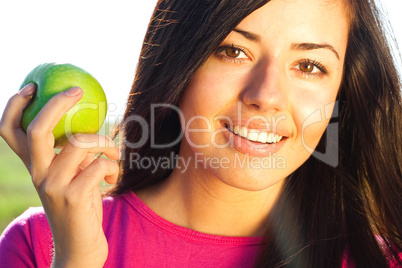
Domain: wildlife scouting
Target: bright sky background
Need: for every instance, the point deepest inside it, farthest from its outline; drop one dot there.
(102, 37)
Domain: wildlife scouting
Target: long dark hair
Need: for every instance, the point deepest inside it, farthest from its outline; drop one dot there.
(180, 37)
(323, 211)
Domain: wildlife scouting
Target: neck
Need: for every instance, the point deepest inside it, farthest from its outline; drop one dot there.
(196, 199)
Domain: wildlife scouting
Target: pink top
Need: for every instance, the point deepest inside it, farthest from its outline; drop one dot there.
(136, 237)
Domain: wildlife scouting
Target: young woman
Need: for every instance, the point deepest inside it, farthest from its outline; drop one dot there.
(257, 134)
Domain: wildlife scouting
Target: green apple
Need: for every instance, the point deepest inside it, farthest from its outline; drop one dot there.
(87, 116)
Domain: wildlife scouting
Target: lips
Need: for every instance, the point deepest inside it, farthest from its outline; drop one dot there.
(254, 134)
(255, 138)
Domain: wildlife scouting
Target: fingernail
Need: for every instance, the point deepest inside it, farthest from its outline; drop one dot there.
(28, 89)
(74, 91)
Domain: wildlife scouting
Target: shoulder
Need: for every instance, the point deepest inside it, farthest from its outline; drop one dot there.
(32, 219)
(27, 240)
(115, 206)
(121, 211)
(33, 222)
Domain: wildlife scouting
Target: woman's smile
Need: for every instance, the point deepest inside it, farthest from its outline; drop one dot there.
(253, 137)
(262, 84)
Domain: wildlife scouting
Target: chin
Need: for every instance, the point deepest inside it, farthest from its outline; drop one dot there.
(250, 179)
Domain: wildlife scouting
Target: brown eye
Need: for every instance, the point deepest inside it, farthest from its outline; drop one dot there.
(233, 52)
(307, 67)
(310, 68)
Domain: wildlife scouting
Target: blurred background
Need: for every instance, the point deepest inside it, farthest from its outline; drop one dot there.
(103, 38)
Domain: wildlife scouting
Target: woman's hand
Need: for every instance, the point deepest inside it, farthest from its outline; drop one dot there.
(68, 182)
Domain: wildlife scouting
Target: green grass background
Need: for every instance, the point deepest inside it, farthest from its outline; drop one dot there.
(17, 192)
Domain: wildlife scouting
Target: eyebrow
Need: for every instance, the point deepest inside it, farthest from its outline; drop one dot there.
(295, 46)
(312, 46)
(250, 36)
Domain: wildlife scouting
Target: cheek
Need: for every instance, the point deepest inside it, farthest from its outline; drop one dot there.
(216, 84)
(201, 102)
(312, 133)
(312, 112)
(204, 92)
(209, 92)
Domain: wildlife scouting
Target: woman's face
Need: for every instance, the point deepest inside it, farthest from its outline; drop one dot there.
(259, 105)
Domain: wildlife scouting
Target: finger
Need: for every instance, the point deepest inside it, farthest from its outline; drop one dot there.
(10, 124)
(89, 158)
(90, 177)
(15, 107)
(75, 152)
(41, 127)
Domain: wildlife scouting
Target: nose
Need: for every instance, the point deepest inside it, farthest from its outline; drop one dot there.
(266, 90)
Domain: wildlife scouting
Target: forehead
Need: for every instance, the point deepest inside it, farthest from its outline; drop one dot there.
(304, 8)
(300, 21)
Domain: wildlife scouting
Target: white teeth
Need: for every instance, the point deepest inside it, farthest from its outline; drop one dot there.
(236, 130)
(243, 132)
(255, 135)
(278, 138)
(262, 137)
(270, 138)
